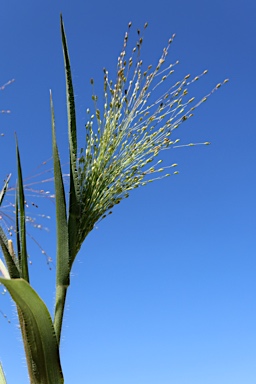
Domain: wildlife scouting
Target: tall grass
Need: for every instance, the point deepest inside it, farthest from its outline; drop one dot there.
(125, 137)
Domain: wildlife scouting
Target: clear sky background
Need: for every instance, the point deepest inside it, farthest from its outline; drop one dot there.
(163, 291)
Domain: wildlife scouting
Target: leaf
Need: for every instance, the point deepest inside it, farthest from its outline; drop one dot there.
(74, 195)
(4, 189)
(20, 213)
(63, 262)
(2, 376)
(18, 243)
(40, 335)
(10, 261)
(4, 270)
(70, 102)
(63, 267)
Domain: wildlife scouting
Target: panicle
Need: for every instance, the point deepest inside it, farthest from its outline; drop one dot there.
(141, 110)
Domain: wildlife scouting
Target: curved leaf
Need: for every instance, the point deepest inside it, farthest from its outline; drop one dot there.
(39, 331)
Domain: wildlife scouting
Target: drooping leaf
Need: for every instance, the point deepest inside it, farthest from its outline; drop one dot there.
(40, 335)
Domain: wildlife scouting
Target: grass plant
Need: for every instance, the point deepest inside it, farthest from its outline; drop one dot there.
(125, 137)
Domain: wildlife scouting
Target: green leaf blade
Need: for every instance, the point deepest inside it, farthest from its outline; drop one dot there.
(63, 261)
(40, 335)
(70, 100)
(21, 231)
(63, 267)
(74, 195)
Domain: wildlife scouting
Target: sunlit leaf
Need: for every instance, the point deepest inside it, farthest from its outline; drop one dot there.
(40, 335)
(74, 195)
(63, 264)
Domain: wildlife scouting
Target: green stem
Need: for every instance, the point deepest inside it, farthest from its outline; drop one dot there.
(61, 293)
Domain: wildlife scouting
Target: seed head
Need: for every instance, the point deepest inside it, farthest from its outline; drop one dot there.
(134, 127)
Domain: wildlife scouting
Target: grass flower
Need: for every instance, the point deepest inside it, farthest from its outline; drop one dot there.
(125, 138)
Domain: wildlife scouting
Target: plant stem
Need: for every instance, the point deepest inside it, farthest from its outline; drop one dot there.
(61, 293)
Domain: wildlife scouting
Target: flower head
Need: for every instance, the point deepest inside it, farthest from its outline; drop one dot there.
(135, 124)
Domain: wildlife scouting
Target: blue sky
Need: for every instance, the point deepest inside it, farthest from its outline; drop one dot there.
(163, 291)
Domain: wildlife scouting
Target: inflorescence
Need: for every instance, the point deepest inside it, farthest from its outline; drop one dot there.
(121, 152)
